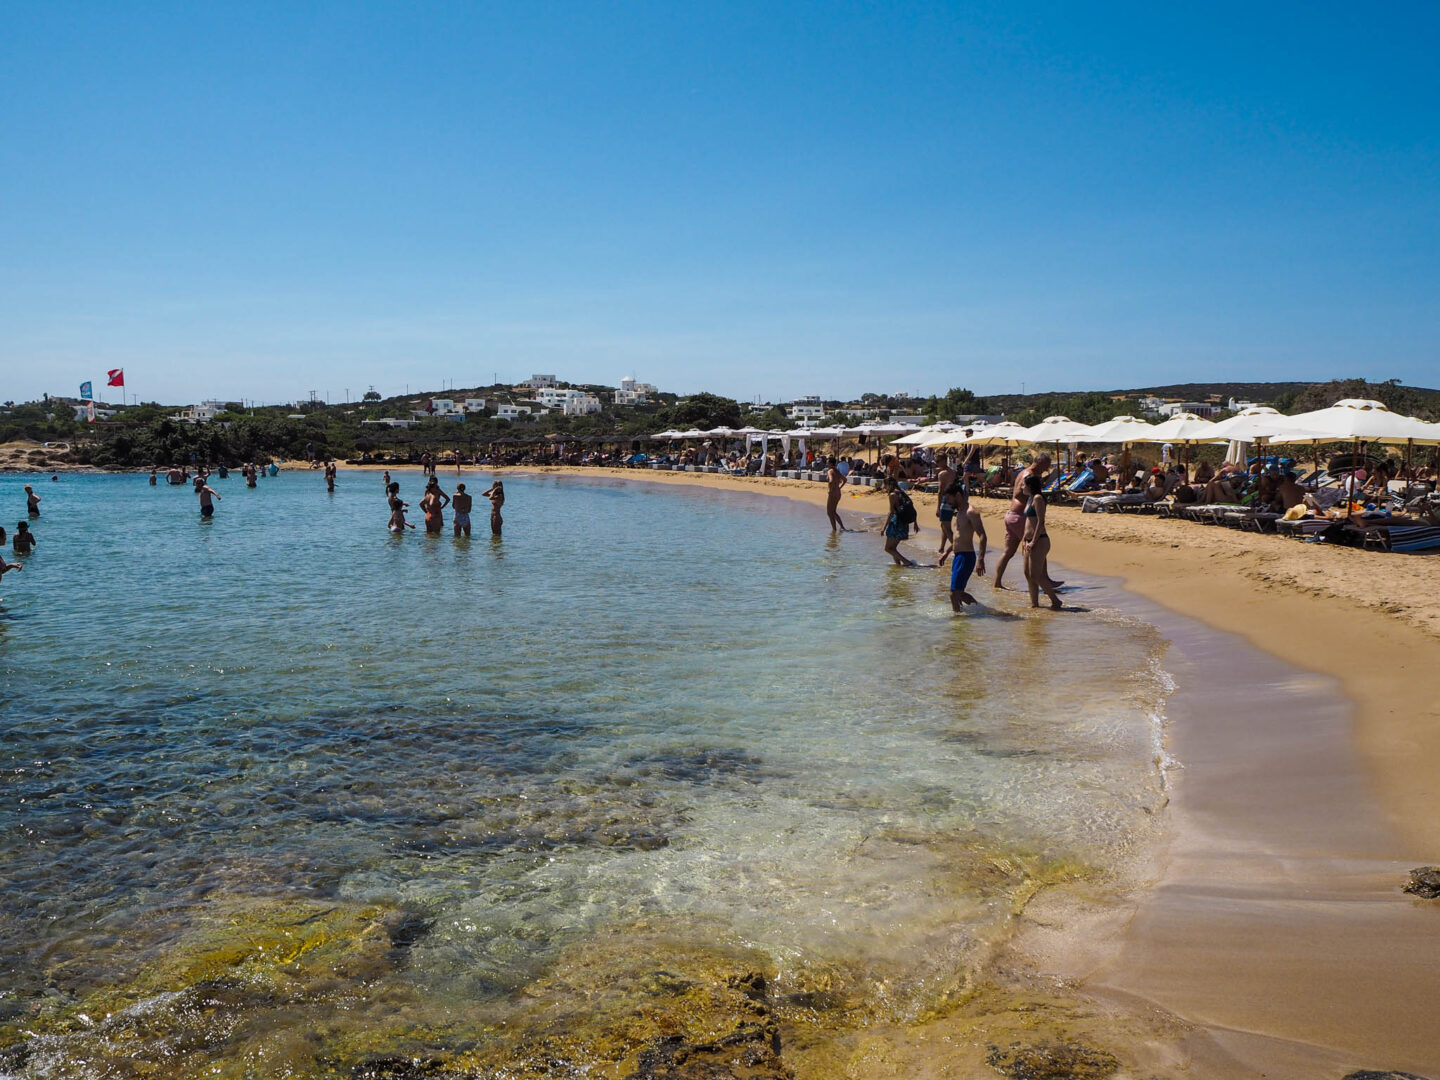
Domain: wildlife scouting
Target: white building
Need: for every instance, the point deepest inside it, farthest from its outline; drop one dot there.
(538, 382)
(1241, 406)
(570, 402)
(803, 410)
(474, 404)
(632, 392)
(200, 414)
(390, 422)
(1205, 409)
(506, 411)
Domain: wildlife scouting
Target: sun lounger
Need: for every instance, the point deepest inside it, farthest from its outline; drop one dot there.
(1412, 539)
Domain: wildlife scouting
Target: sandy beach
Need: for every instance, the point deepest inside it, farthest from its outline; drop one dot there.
(1274, 938)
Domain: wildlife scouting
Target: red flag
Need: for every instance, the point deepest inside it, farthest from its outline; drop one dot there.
(117, 376)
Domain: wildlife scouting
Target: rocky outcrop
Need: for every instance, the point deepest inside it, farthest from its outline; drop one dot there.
(1425, 883)
(1052, 1061)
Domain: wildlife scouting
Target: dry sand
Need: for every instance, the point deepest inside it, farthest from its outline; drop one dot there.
(1275, 940)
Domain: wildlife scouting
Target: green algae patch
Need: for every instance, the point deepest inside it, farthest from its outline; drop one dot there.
(248, 985)
(634, 1007)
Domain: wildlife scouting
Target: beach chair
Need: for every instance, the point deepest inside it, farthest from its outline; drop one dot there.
(1413, 539)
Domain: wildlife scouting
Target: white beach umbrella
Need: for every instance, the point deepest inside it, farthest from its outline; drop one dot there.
(667, 435)
(1005, 433)
(1356, 419)
(1119, 429)
(1258, 423)
(1122, 430)
(924, 435)
(722, 432)
(1182, 428)
(1185, 428)
(1056, 429)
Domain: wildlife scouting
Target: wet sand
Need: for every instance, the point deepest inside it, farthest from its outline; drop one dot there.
(1274, 940)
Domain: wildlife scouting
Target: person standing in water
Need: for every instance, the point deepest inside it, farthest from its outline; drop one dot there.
(1015, 515)
(206, 493)
(1037, 545)
(32, 502)
(897, 525)
(461, 504)
(154, 477)
(330, 477)
(432, 505)
(967, 529)
(836, 479)
(23, 542)
(496, 495)
(398, 524)
(248, 472)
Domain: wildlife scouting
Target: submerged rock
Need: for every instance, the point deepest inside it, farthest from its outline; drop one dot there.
(1425, 883)
(1052, 1061)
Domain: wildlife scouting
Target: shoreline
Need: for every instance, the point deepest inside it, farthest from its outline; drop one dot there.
(1274, 932)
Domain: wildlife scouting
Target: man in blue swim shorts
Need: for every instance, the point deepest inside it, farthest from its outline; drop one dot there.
(965, 560)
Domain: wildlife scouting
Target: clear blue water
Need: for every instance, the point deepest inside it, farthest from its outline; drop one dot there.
(687, 711)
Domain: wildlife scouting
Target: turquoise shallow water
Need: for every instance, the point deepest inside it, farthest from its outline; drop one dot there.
(689, 711)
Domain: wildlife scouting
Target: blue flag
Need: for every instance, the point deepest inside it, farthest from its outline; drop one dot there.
(86, 394)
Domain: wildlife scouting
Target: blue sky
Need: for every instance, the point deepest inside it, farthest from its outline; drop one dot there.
(254, 201)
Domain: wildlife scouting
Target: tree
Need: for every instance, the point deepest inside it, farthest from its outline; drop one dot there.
(956, 402)
(703, 410)
(370, 395)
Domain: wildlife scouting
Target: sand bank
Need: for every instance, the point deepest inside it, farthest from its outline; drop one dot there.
(1275, 940)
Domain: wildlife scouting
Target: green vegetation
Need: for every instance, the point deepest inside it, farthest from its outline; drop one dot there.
(145, 435)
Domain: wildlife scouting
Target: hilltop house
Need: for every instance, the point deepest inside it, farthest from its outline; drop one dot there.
(203, 413)
(633, 393)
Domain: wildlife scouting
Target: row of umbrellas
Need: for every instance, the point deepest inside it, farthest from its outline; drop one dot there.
(1353, 419)
(793, 433)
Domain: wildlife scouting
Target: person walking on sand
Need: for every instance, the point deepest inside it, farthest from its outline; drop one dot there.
(496, 495)
(398, 524)
(967, 560)
(836, 479)
(32, 502)
(461, 504)
(432, 505)
(897, 525)
(1037, 545)
(206, 493)
(1015, 515)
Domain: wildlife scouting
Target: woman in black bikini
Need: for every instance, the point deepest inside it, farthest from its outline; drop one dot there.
(1037, 545)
